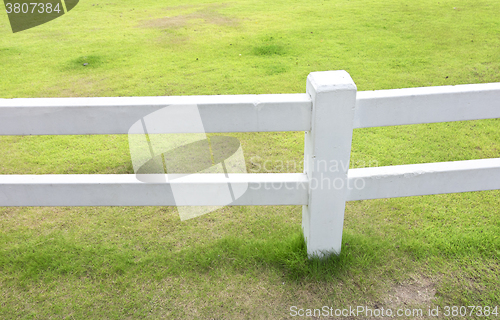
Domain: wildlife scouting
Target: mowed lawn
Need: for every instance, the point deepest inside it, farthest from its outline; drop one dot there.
(250, 262)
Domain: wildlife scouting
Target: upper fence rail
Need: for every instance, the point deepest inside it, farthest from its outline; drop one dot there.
(231, 113)
(427, 105)
(248, 113)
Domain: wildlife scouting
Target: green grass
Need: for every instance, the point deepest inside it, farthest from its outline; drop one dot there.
(249, 262)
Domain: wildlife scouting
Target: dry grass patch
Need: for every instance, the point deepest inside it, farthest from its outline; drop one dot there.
(208, 15)
(415, 292)
(41, 220)
(82, 86)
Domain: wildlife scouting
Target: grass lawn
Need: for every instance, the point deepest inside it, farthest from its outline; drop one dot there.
(250, 262)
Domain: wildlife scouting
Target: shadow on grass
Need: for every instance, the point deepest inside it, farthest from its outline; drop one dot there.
(54, 255)
(49, 257)
(288, 255)
(58, 254)
(84, 63)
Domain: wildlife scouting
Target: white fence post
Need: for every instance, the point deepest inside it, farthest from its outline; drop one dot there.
(326, 159)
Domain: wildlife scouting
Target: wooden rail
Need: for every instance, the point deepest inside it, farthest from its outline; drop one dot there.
(328, 112)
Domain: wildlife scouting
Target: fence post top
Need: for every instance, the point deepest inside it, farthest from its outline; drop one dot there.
(323, 81)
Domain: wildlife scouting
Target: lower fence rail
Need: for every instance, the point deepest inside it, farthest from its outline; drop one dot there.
(261, 188)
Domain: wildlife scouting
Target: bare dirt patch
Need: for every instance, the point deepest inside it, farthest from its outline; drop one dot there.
(418, 292)
(209, 14)
(167, 22)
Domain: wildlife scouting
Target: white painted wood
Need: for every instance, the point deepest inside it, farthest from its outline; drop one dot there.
(424, 179)
(237, 113)
(328, 112)
(427, 105)
(334, 96)
(264, 189)
(248, 113)
(127, 190)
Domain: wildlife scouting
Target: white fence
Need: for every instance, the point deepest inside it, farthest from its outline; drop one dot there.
(328, 113)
